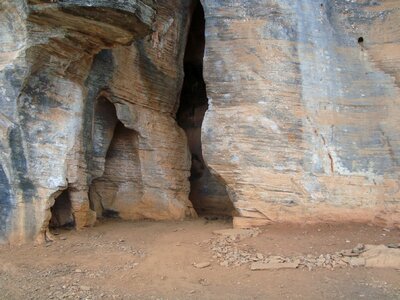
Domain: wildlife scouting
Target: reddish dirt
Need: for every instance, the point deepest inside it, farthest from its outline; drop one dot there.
(149, 260)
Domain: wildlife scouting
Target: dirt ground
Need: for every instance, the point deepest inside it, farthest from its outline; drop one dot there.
(154, 260)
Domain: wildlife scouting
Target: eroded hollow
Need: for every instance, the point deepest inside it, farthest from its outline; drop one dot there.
(116, 164)
(61, 212)
(208, 195)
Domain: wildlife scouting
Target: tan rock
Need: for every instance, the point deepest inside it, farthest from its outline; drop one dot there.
(202, 265)
(357, 261)
(257, 266)
(381, 257)
(240, 222)
(285, 130)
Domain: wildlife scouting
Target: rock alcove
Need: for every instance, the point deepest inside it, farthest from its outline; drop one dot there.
(120, 181)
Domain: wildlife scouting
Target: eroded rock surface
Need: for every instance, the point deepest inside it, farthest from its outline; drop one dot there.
(303, 115)
(147, 173)
(78, 78)
(301, 104)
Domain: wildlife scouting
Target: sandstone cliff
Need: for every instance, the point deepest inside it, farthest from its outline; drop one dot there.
(304, 108)
(102, 106)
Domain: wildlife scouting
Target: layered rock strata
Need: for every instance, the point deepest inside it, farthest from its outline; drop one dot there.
(300, 103)
(78, 78)
(303, 115)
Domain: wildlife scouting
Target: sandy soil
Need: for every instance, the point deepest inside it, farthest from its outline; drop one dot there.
(149, 260)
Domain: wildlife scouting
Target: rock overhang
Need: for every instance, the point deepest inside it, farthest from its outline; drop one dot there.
(116, 21)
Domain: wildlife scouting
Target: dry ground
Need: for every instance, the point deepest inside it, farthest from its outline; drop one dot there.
(149, 260)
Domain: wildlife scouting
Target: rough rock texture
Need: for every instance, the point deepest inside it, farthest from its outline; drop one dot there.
(145, 86)
(302, 120)
(207, 194)
(304, 106)
(62, 64)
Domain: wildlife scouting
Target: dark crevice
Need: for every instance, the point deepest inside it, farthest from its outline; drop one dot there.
(61, 212)
(208, 195)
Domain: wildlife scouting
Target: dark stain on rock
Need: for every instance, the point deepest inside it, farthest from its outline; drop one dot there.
(5, 202)
(98, 80)
(19, 164)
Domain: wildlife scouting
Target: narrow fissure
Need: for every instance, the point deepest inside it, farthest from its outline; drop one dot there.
(208, 195)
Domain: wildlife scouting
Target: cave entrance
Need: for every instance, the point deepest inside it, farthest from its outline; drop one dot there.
(208, 195)
(61, 212)
(115, 164)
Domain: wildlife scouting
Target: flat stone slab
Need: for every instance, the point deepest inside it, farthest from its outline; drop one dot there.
(202, 265)
(258, 266)
(381, 256)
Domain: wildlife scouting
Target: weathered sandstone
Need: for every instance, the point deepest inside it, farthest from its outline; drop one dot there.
(75, 74)
(108, 109)
(304, 103)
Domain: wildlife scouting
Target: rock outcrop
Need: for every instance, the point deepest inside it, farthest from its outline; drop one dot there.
(300, 125)
(304, 103)
(78, 78)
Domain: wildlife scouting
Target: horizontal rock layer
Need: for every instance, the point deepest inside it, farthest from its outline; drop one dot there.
(304, 108)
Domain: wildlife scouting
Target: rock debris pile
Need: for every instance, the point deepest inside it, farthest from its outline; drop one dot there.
(228, 252)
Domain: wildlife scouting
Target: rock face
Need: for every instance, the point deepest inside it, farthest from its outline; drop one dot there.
(301, 122)
(89, 92)
(304, 103)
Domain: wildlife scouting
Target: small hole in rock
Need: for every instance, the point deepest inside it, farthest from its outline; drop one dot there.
(360, 40)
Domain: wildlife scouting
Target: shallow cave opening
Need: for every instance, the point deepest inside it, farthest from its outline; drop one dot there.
(61, 212)
(115, 163)
(208, 195)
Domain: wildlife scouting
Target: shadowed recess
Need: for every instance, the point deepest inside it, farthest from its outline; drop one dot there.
(207, 194)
